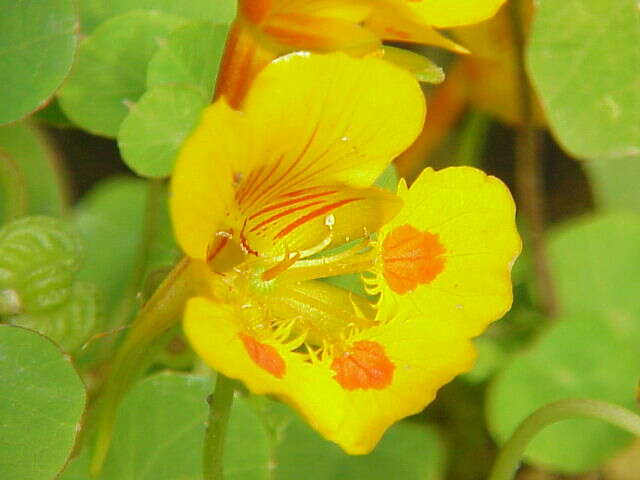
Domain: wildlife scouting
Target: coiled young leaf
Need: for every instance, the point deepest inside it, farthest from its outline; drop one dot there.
(72, 323)
(39, 257)
(39, 261)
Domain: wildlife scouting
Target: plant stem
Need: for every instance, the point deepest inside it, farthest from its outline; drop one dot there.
(528, 171)
(509, 457)
(14, 189)
(473, 138)
(161, 312)
(219, 412)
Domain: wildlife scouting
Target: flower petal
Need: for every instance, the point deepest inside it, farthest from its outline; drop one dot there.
(352, 413)
(470, 243)
(451, 13)
(324, 119)
(202, 181)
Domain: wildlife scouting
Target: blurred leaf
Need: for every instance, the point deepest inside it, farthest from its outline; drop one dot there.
(71, 324)
(151, 135)
(191, 55)
(584, 62)
(39, 258)
(580, 356)
(46, 193)
(596, 263)
(110, 220)
(41, 404)
(407, 451)
(36, 52)
(159, 434)
(53, 115)
(592, 350)
(94, 12)
(491, 357)
(111, 69)
(615, 183)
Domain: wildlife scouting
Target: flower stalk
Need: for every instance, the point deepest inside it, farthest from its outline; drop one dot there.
(161, 312)
(219, 413)
(509, 457)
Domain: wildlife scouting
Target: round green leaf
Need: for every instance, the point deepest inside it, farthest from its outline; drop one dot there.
(151, 135)
(595, 263)
(580, 357)
(408, 451)
(37, 45)
(160, 430)
(41, 404)
(39, 168)
(615, 183)
(111, 70)
(191, 55)
(110, 221)
(584, 62)
(94, 12)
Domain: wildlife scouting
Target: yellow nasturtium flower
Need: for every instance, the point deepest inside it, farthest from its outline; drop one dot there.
(266, 29)
(277, 196)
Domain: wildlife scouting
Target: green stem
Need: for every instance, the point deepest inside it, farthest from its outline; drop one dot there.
(14, 190)
(529, 172)
(219, 412)
(473, 138)
(161, 312)
(509, 458)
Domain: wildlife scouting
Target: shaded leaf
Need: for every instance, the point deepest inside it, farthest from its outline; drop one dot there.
(160, 430)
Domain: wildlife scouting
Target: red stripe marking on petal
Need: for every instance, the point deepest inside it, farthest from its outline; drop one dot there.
(290, 202)
(310, 216)
(284, 214)
(265, 356)
(364, 366)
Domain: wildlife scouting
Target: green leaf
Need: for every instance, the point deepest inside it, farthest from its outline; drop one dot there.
(38, 167)
(160, 430)
(41, 404)
(584, 62)
(72, 323)
(36, 52)
(407, 450)
(579, 357)
(110, 221)
(53, 115)
(151, 135)
(615, 183)
(590, 352)
(111, 69)
(594, 261)
(94, 12)
(39, 258)
(191, 55)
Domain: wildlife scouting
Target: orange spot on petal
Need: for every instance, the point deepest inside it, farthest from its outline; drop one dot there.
(364, 366)
(265, 356)
(411, 257)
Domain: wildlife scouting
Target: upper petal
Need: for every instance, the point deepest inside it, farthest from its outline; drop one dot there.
(323, 119)
(449, 251)
(451, 13)
(202, 181)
